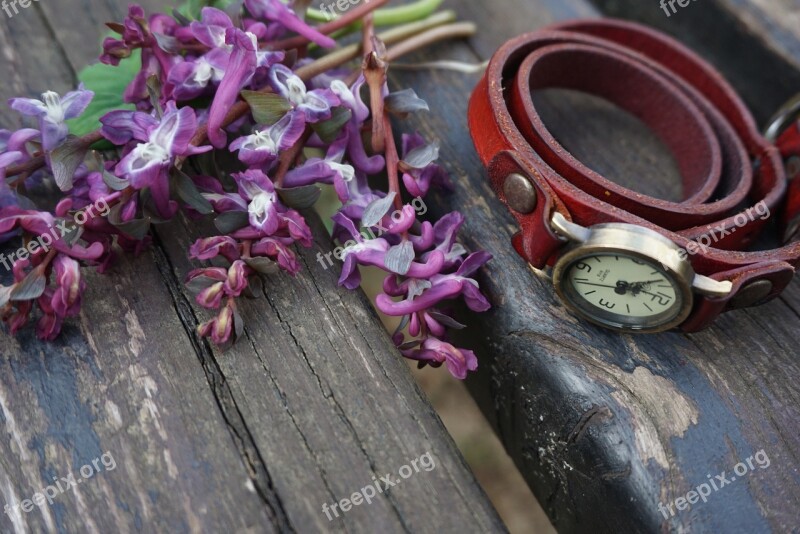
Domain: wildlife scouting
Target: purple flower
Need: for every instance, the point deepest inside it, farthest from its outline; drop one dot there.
(257, 189)
(264, 145)
(191, 77)
(443, 286)
(267, 216)
(315, 105)
(356, 152)
(241, 67)
(277, 250)
(212, 247)
(458, 361)
(18, 141)
(445, 233)
(360, 251)
(220, 283)
(212, 27)
(211, 297)
(41, 223)
(134, 35)
(419, 181)
(52, 112)
(148, 163)
(277, 11)
(69, 286)
(7, 197)
(222, 327)
(329, 171)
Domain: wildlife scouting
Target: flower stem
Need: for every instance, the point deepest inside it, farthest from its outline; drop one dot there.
(448, 31)
(330, 27)
(39, 161)
(392, 162)
(348, 53)
(289, 157)
(390, 16)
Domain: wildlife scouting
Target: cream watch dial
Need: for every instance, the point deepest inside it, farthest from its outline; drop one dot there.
(623, 285)
(627, 277)
(622, 290)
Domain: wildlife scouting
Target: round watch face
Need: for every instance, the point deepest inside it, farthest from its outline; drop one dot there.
(622, 291)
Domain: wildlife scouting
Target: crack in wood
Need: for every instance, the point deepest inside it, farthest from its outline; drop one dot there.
(231, 413)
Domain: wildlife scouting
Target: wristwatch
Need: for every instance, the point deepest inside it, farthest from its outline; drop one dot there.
(621, 259)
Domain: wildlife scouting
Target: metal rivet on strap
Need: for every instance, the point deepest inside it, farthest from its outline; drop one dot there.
(752, 294)
(520, 193)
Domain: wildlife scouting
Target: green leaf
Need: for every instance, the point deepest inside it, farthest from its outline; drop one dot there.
(73, 235)
(330, 129)
(399, 258)
(300, 197)
(66, 159)
(199, 283)
(113, 182)
(188, 192)
(422, 156)
(192, 8)
(136, 229)
(31, 287)
(108, 83)
(404, 102)
(377, 210)
(5, 294)
(267, 108)
(230, 221)
(262, 265)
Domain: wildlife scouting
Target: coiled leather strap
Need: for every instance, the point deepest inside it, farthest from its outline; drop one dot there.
(732, 176)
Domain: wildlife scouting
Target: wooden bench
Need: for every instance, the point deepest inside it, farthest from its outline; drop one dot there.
(315, 400)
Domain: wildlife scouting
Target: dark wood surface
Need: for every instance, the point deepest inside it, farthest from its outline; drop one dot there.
(305, 410)
(604, 426)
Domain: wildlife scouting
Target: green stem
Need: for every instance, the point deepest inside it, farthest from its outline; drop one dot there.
(389, 16)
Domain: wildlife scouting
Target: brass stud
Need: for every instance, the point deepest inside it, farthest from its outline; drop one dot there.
(520, 193)
(752, 294)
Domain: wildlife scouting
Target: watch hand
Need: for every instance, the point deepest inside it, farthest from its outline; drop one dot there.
(594, 285)
(645, 283)
(638, 287)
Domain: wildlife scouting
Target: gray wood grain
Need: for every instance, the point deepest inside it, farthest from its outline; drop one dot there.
(306, 410)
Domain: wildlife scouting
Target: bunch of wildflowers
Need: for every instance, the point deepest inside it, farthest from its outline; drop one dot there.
(243, 81)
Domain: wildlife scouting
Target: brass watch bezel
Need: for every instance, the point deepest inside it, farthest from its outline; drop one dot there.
(629, 240)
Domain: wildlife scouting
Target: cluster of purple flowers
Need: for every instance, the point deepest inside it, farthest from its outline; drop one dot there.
(294, 136)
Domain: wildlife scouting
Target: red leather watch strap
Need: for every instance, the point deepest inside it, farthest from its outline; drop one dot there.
(687, 104)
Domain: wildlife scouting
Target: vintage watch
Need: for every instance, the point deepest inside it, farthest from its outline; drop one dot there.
(621, 259)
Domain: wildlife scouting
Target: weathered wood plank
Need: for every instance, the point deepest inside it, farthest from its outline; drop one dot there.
(605, 426)
(754, 43)
(306, 410)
